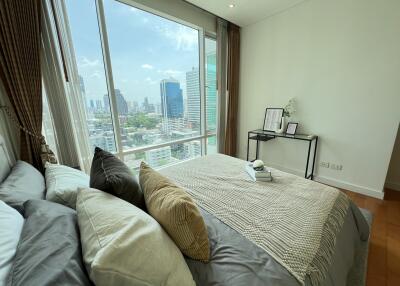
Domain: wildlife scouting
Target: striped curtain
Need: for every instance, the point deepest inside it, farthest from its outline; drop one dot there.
(233, 89)
(20, 71)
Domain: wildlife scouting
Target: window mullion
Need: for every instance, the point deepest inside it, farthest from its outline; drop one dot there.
(109, 74)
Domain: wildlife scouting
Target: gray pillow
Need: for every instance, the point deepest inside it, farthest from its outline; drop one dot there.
(49, 250)
(23, 183)
(111, 175)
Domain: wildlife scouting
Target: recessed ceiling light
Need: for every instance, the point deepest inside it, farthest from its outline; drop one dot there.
(231, 5)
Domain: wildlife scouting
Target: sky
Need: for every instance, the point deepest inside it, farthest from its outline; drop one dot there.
(144, 49)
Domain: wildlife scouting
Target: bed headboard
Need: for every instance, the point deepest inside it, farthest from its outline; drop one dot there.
(5, 162)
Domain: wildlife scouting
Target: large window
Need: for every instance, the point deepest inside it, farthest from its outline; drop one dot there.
(149, 82)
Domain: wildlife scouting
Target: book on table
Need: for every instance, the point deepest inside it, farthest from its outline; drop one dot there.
(262, 175)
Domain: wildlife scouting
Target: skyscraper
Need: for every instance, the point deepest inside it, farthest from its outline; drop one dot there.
(193, 97)
(99, 105)
(83, 91)
(106, 102)
(171, 98)
(122, 106)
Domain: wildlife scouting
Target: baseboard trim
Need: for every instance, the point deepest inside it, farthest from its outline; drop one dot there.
(393, 186)
(336, 183)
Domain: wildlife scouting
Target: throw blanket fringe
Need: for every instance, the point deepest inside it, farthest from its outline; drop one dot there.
(333, 225)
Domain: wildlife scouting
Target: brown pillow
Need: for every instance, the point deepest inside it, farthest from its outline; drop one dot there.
(177, 213)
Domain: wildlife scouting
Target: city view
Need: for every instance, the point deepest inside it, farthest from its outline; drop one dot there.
(156, 75)
(144, 123)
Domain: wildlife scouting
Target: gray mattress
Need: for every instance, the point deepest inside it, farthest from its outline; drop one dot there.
(237, 261)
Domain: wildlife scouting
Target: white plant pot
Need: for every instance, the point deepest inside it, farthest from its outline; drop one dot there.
(283, 123)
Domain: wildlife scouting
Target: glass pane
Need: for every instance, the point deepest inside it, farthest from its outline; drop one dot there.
(47, 125)
(88, 52)
(155, 65)
(212, 147)
(162, 157)
(211, 84)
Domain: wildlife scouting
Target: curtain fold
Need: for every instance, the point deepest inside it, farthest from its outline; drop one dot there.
(233, 89)
(222, 50)
(20, 71)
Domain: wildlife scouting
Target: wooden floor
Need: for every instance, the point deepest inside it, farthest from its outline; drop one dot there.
(384, 251)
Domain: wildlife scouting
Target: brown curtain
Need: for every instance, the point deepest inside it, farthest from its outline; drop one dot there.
(20, 71)
(233, 89)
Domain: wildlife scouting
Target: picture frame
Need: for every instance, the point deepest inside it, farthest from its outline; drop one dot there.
(291, 128)
(273, 119)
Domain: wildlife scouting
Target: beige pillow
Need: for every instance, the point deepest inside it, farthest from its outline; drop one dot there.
(122, 245)
(175, 210)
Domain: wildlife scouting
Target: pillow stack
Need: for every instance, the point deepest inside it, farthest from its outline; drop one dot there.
(122, 245)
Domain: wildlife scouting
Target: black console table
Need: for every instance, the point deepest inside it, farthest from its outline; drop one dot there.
(261, 135)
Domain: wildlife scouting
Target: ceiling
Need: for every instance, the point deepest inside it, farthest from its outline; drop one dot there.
(245, 12)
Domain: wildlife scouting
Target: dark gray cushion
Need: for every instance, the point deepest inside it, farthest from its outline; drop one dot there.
(23, 183)
(111, 175)
(49, 250)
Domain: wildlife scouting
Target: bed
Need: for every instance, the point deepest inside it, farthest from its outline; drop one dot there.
(238, 213)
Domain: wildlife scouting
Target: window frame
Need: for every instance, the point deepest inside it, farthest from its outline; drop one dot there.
(204, 134)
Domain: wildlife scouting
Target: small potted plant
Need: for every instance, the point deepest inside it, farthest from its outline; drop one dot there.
(288, 111)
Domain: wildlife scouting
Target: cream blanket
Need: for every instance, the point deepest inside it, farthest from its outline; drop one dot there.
(293, 219)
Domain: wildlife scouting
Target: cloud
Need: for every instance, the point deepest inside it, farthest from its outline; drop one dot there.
(150, 80)
(184, 38)
(85, 62)
(170, 72)
(147, 66)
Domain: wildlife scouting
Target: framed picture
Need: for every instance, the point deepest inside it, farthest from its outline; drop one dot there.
(273, 119)
(291, 128)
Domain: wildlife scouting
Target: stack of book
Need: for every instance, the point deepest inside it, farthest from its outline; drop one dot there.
(259, 176)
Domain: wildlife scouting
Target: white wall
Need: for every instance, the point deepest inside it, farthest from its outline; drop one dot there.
(341, 60)
(393, 176)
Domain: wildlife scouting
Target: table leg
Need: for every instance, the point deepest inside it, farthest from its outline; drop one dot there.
(308, 158)
(315, 152)
(257, 150)
(248, 144)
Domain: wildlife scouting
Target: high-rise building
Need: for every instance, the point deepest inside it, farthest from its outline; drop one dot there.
(148, 107)
(99, 105)
(193, 97)
(82, 84)
(83, 91)
(92, 104)
(159, 157)
(122, 106)
(211, 90)
(171, 99)
(106, 102)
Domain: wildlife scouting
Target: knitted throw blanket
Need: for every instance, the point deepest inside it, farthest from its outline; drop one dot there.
(293, 219)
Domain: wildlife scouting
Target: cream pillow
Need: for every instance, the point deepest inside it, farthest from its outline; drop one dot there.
(122, 245)
(62, 184)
